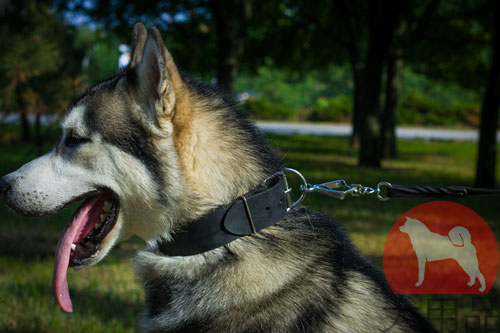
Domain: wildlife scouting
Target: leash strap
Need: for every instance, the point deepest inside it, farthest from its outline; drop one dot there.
(401, 191)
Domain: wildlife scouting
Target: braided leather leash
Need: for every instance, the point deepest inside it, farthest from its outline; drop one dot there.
(401, 191)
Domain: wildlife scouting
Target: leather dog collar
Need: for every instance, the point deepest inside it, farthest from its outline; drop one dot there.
(244, 216)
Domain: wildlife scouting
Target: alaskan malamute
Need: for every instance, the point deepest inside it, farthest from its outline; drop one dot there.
(156, 154)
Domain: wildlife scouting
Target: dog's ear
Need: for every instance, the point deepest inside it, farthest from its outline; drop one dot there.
(156, 72)
(139, 36)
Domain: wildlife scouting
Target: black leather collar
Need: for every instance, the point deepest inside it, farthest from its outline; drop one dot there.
(248, 214)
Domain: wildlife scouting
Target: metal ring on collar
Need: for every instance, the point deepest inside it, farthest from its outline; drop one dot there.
(288, 190)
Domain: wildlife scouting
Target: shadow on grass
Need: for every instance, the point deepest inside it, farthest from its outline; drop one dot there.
(311, 144)
(106, 307)
(285, 150)
(95, 309)
(317, 170)
(29, 246)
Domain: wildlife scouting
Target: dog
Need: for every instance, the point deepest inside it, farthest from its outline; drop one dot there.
(151, 152)
(430, 246)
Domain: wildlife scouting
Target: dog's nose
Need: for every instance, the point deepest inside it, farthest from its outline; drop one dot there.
(4, 186)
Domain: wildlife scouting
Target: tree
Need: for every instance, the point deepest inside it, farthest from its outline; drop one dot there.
(365, 31)
(443, 40)
(36, 63)
(232, 19)
(439, 39)
(392, 92)
(460, 44)
(194, 29)
(486, 157)
(382, 23)
(26, 54)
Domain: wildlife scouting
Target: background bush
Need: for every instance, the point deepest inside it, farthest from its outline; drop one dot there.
(263, 109)
(327, 97)
(337, 109)
(418, 109)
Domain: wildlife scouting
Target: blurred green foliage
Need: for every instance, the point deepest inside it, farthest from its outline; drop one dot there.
(418, 109)
(327, 96)
(327, 109)
(39, 70)
(295, 90)
(265, 110)
(99, 53)
(48, 62)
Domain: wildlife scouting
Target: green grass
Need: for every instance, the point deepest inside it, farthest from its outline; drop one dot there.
(109, 298)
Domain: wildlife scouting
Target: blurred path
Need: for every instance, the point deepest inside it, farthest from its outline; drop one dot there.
(13, 118)
(345, 131)
(326, 129)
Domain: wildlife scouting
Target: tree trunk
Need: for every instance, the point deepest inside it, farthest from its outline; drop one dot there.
(231, 23)
(357, 67)
(486, 158)
(354, 48)
(392, 93)
(370, 117)
(38, 136)
(382, 16)
(25, 128)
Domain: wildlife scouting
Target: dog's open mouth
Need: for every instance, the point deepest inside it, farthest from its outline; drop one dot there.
(81, 239)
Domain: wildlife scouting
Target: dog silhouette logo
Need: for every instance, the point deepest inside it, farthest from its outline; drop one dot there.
(441, 247)
(430, 246)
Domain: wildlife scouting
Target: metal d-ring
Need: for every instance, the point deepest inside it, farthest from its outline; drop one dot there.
(288, 190)
(379, 190)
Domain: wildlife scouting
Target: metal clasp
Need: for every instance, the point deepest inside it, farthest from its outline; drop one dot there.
(337, 189)
(331, 189)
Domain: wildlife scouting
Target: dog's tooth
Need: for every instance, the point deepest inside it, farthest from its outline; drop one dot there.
(104, 217)
(107, 206)
(73, 246)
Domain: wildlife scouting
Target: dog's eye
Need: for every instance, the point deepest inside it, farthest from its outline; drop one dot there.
(73, 140)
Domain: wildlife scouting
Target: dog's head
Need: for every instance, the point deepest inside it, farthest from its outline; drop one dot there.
(109, 157)
(412, 226)
(147, 151)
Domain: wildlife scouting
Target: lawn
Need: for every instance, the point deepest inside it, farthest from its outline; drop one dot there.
(108, 297)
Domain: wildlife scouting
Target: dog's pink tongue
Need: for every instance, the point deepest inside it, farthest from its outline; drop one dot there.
(63, 252)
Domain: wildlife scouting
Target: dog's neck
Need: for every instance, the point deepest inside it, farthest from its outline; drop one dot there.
(218, 152)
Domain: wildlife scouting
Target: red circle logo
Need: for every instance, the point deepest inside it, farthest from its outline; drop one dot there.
(440, 247)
